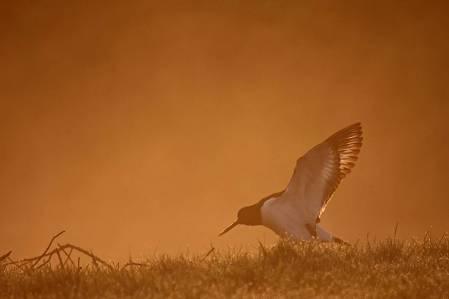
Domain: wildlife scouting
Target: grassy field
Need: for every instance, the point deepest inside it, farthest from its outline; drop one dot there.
(383, 269)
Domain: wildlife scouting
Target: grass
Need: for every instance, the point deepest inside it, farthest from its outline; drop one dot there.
(385, 269)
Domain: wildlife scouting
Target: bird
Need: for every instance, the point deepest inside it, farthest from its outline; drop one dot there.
(295, 212)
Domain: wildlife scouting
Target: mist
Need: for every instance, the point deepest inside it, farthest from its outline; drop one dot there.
(141, 127)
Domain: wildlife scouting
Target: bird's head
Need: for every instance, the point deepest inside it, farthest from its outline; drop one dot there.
(247, 215)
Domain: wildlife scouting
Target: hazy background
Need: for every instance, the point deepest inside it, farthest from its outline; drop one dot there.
(143, 127)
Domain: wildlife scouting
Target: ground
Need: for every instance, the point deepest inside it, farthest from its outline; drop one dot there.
(383, 269)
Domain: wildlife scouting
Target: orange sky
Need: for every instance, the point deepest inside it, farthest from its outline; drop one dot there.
(143, 127)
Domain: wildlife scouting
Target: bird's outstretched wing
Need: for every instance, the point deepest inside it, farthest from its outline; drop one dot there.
(319, 172)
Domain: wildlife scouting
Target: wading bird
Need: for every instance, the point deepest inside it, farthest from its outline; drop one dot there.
(295, 212)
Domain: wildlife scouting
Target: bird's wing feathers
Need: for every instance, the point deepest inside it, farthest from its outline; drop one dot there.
(319, 172)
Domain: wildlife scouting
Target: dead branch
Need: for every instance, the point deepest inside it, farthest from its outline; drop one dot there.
(33, 259)
(45, 263)
(5, 256)
(208, 253)
(61, 263)
(12, 262)
(90, 254)
(30, 263)
(68, 255)
(38, 259)
(49, 254)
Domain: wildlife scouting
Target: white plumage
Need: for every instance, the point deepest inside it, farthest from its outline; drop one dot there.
(296, 212)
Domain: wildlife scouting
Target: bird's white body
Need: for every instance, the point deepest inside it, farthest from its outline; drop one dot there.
(286, 219)
(295, 212)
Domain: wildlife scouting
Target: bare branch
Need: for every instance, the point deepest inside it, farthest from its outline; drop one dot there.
(61, 263)
(31, 259)
(68, 255)
(5, 256)
(90, 254)
(12, 262)
(24, 264)
(46, 262)
(208, 253)
(38, 259)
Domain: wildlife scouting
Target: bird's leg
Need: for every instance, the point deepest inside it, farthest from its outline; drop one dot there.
(312, 229)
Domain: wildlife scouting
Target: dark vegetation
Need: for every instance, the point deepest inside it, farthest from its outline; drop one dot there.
(389, 268)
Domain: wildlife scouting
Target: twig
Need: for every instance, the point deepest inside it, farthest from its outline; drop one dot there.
(208, 253)
(30, 263)
(60, 259)
(19, 264)
(93, 256)
(68, 255)
(12, 262)
(46, 250)
(5, 256)
(31, 259)
(94, 261)
(45, 263)
(72, 247)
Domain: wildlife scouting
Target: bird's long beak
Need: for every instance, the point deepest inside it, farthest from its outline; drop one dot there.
(229, 228)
